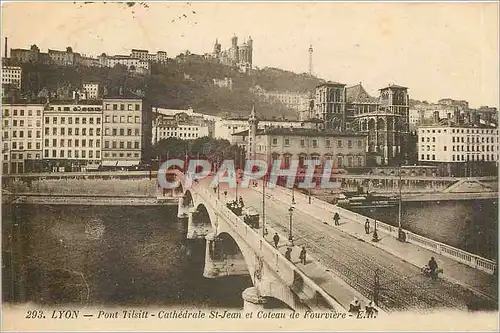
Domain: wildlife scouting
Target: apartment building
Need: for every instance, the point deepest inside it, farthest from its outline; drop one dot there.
(122, 131)
(21, 137)
(11, 75)
(72, 136)
(460, 150)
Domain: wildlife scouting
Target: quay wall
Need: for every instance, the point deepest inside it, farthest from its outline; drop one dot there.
(116, 187)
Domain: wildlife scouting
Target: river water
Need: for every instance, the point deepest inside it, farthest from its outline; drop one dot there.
(471, 225)
(108, 255)
(99, 255)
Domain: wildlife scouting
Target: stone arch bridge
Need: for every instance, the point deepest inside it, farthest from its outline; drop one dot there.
(234, 248)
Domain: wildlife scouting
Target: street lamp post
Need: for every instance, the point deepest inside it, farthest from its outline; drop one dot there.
(293, 194)
(290, 232)
(401, 234)
(375, 233)
(309, 196)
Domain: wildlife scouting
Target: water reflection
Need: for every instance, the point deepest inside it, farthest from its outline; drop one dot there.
(108, 255)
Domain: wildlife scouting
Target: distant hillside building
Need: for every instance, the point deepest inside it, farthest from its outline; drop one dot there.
(91, 89)
(159, 57)
(291, 100)
(11, 75)
(239, 56)
(226, 82)
(135, 65)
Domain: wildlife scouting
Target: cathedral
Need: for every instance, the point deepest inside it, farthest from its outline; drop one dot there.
(237, 55)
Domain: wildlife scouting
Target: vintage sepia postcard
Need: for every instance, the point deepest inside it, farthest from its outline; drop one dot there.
(250, 166)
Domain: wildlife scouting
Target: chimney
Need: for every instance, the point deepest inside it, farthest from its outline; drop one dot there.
(5, 48)
(449, 118)
(436, 117)
(121, 91)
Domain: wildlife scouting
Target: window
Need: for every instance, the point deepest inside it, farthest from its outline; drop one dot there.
(122, 144)
(30, 112)
(302, 143)
(77, 143)
(114, 131)
(84, 131)
(21, 134)
(137, 107)
(63, 120)
(54, 120)
(38, 146)
(453, 139)
(14, 122)
(136, 145)
(433, 157)
(91, 142)
(122, 131)
(339, 143)
(122, 119)
(54, 153)
(84, 142)
(61, 143)
(97, 154)
(98, 120)
(129, 145)
(14, 145)
(106, 144)
(62, 131)
(428, 156)
(30, 145)
(76, 154)
(115, 119)
(29, 133)
(77, 120)
(136, 119)
(275, 141)
(122, 107)
(327, 143)
(22, 113)
(46, 153)
(114, 144)
(61, 153)
(69, 154)
(83, 154)
(360, 143)
(315, 143)
(54, 131)
(115, 107)
(453, 157)
(54, 142)
(69, 142)
(84, 120)
(106, 119)
(70, 121)
(15, 112)
(38, 123)
(91, 154)
(77, 131)
(423, 139)
(129, 119)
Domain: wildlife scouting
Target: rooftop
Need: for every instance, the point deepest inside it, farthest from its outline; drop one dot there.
(331, 83)
(393, 86)
(358, 94)
(308, 132)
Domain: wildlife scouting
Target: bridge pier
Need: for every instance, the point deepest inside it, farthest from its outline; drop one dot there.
(196, 230)
(252, 301)
(181, 209)
(218, 263)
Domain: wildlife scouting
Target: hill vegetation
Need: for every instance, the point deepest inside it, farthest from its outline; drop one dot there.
(182, 84)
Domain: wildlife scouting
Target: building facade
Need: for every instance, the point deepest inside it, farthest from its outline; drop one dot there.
(91, 89)
(458, 149)
(11, 75)
(135, 65)
(21, 137)
(122, 131)
(179, 126)
(291, 100)
(72, 136)
(330, 104)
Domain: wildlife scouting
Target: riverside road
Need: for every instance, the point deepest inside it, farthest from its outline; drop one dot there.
(402, 285)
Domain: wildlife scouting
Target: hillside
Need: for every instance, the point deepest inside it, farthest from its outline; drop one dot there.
(179, 85)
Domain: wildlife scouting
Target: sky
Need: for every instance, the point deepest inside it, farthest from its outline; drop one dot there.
(437, 50)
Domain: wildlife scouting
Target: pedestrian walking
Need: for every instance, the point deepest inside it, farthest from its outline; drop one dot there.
(215, 189)
(336, 218)
(276, 240)
(225, 193)
(354, 306)
(288, 254)
(367, 227)
(371, 310)
(302, 255)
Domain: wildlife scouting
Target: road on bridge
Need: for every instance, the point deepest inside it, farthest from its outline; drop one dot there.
(402, 285)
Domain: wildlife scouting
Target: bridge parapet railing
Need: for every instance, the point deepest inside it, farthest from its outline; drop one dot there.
(283, 268)
(459, 255)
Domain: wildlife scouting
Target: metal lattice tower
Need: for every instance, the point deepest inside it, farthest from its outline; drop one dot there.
(310, 59)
